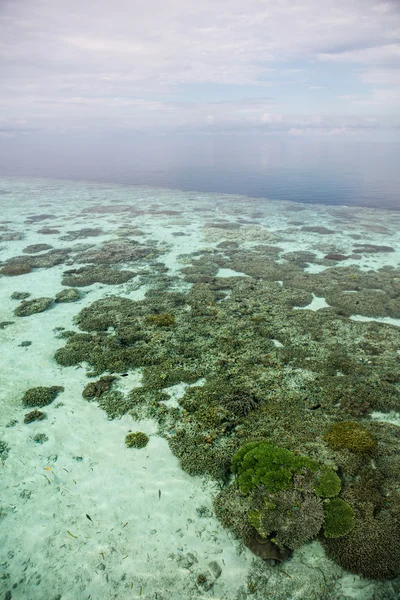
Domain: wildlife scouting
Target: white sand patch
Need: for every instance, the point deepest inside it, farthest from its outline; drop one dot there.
(277, 343)
(316, 304)
(387, 320)
(230, 273)
(391, 417)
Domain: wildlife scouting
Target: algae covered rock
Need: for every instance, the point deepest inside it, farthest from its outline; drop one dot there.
(136, 439)
(67, 295)
(41, 396)
(30, 307)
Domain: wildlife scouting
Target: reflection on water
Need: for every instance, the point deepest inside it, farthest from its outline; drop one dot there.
(345, 170)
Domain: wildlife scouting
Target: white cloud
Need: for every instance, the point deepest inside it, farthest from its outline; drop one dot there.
(127, 64)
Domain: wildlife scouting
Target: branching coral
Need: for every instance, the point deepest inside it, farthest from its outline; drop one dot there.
(371, 549)
(293, 517)
(350, 436)
(239, 403)
(136, 439)
(41, 396)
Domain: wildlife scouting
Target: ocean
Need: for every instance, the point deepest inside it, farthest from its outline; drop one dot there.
(200, 391)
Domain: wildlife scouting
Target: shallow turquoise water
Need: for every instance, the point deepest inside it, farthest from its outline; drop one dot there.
(152, 530)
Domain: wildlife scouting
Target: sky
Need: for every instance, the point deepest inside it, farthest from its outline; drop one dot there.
(297, 67)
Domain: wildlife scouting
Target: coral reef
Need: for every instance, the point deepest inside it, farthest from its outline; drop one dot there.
(89, 275)
(4, 450)
(68, 295)
(41, 396)
(95, 389)
(20, 295)
(30, 307)
(351, 436)
(371, 549)
(339, 518)
(36, 248)
(14, 270)
(136, 439)
(40, 438)
(161, 320)
(34, 415)
(265, 384)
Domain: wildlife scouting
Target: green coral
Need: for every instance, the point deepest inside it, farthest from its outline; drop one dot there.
(161, 320)
(41, 396)
(339, 518)
(261, 463)
(136, 439)
(327, 483)
(350, 436)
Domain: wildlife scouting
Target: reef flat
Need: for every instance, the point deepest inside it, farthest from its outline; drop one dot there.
(201, 395)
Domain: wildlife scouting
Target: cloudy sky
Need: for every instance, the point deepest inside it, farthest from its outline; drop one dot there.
(294, 66)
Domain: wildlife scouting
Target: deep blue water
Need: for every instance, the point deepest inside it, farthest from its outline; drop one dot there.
(334, 171)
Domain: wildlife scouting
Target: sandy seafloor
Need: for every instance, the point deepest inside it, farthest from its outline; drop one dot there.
(152, 528)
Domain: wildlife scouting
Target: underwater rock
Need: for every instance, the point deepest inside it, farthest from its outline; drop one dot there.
(37, 218)
(41, 261)
(317, 229)
(91, 274)
(30, 307)
(267, 550)
(48, 231)
(71, 236)
(4, 324)
(36, 248)
(20, 295)
(336, 256)
(68, 295)
(116, 252)
(371, 248)
(11, 236)
(34, 415)
(12, 270)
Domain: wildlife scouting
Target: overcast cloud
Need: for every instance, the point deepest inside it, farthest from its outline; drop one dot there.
(295, 66)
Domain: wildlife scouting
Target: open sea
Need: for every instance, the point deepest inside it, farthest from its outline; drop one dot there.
(200, 351)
